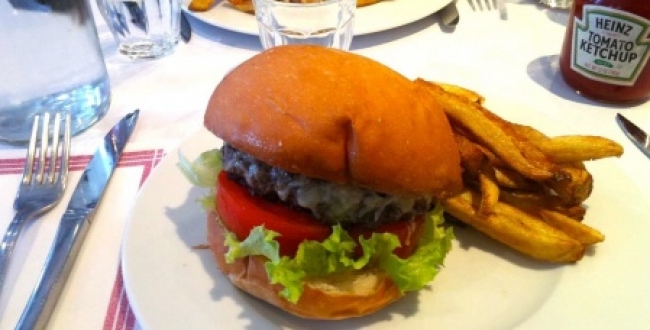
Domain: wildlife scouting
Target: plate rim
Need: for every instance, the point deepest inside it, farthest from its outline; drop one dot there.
(424, 9)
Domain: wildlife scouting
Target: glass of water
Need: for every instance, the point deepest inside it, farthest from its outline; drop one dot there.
(51, 61)
(559, 4)
(144, 29)
(327, 23)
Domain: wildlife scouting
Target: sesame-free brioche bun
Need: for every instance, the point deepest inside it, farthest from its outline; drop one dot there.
(335, 297)
(334, 115)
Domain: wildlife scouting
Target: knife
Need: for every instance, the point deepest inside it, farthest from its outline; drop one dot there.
(74, 225)
(449, 15)
(635, 134)
(186, 28)
(139, 19)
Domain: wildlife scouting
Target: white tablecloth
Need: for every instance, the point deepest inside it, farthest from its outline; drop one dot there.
(511, 60)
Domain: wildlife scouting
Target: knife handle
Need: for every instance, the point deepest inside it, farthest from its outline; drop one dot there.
(69, 238)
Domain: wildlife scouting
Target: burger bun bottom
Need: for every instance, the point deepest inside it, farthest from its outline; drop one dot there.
(335, 297)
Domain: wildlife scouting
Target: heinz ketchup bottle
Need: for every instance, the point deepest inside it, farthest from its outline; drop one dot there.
(606, 49)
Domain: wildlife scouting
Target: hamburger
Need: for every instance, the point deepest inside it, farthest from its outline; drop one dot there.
(324, 192)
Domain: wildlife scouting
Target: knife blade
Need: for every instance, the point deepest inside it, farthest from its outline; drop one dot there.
(635, 134)
(186, 28)
(75, 224)
(449, 15)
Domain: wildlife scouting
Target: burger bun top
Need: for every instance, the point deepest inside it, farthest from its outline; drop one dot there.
(338, 116)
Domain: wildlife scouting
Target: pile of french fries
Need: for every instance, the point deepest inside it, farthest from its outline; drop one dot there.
(521, 187)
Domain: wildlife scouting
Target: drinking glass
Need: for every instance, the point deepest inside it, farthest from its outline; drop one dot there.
(559, 4)
(328, 23)
(144, 29)
(51, 62)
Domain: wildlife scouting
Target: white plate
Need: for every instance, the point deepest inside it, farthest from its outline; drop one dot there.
(172, 285)
(374, 18)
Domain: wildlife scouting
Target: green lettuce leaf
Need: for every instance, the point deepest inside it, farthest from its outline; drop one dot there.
(259, 242)
(202, 172)
(336, 254)
(415, 272)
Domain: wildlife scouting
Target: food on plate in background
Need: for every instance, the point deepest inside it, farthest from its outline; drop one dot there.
(247, 5)
(328, 181)
(522, 188)
(200, 5)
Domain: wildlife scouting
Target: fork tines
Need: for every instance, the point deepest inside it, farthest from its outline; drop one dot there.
(44, 155)
(481, 5)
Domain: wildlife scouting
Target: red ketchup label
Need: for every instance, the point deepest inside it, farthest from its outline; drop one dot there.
(610, 45)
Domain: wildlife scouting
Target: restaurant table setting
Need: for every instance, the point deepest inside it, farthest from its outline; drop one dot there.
(506, 50)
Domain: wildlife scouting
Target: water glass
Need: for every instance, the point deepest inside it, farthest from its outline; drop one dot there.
(559, 4)
(328, 23)
(144, 29)
(51, 61)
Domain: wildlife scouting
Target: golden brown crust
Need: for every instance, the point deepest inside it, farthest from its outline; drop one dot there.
(331, 299)
(243, 5)
(337, 116)
(361, 3)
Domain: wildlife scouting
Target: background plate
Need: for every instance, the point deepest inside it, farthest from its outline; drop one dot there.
(374, 18)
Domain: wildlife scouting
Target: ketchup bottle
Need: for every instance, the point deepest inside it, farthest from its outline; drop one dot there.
(606, 49)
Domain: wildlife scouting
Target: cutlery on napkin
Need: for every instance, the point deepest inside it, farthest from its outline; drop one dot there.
(74, 225)
(186, 29)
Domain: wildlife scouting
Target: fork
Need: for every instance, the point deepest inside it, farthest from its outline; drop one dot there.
(483, 5)
(43, 182)
(487, 5)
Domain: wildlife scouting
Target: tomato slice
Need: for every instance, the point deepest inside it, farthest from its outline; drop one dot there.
(240, 212)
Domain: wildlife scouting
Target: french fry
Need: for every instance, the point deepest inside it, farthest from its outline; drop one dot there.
(509, 179)
(576, 188)
(530, 150)
(491, 135)
(517, 229)
(534, 203)
(200, 5)
(472, 156)
(571, 148)
(470, 95)
(583, 233)
(575, 148)
(489, 190)
(532, 134)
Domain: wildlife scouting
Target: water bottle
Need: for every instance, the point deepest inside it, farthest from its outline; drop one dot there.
(50, 60)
